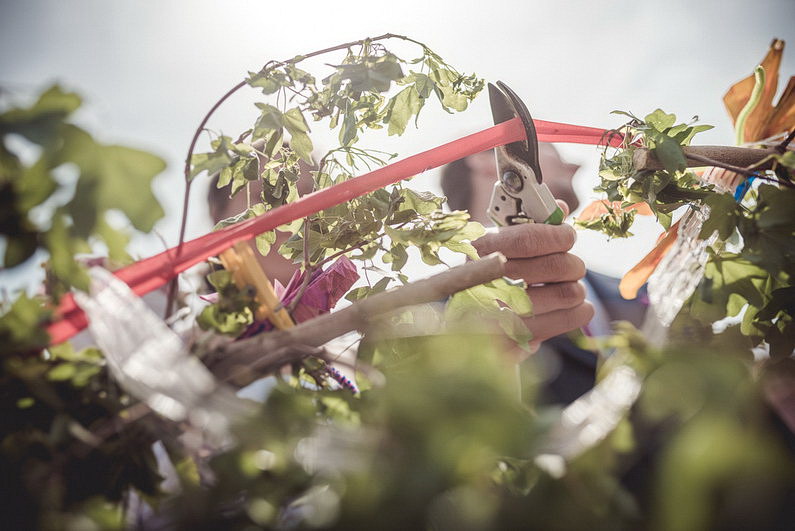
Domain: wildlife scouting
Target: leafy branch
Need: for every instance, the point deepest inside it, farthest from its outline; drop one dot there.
(752, 277)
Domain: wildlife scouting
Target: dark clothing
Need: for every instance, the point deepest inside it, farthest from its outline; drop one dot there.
(568, 371)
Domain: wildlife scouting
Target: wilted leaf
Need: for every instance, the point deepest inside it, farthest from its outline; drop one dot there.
(739, 94)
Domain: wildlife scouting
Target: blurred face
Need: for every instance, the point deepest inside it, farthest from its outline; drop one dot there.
(558, 175)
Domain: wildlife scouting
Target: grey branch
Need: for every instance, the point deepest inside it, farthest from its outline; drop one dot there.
(240, 362)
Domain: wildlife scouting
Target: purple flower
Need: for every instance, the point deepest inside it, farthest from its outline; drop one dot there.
(325, 288)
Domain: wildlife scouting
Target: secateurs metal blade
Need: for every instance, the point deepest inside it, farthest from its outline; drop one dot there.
(519, 195)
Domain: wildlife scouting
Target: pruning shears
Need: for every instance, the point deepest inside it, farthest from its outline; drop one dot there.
(519, 195)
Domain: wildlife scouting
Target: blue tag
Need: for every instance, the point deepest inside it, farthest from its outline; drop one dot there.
(743, 187)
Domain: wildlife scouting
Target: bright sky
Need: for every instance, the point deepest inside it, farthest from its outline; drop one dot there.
(150, 70)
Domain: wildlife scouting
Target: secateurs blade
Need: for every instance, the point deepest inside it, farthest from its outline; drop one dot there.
(519, 195)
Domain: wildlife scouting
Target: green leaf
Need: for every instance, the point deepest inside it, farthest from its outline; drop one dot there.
(63, 247)
(501, 300)
(421, 202)
(402, 107)
(42, 122)
(22, 326)
(116, 241)
(294, 121)
(34, 185)
(264, 242)
(669, 153)
(424, 85)
(117, 177)
(302, 145)
(228, 323)
(348, 130)
(660, 120)
(270, 119)
(722, 216)
(19, 247)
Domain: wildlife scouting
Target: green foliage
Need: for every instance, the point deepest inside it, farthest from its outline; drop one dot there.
(751, 276)
(504, 301)
(664, 190)
(616, 222)
(445, 444)
(57, 447)
(42, 209)
(368, 89)
(234, 310)
(65, 445)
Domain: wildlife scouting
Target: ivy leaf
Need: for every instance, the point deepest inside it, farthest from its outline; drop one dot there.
(117, 177)
(41, 123)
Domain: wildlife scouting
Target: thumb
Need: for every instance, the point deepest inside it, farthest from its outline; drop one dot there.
(563, 206)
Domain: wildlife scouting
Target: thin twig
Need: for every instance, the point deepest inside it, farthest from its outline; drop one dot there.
(737, 169)
(719, 164)
(781, 148)
(309, 270)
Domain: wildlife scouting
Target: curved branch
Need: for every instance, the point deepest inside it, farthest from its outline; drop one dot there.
(271, 64)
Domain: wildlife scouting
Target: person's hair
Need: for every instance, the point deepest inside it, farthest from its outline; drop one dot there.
(457, 184)
(216, 198)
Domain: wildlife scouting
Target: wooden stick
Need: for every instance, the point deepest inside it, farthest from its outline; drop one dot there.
(232, 361)
(644, 159)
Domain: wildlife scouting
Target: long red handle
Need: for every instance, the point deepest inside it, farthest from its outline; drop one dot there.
(153, 272)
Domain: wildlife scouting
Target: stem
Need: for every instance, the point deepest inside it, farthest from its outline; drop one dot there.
(781, 148)
(359, 245)
(172, 288)
(271, 64)
(737, 169)
(309, 270)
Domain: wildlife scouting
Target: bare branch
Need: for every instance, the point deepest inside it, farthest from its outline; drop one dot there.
(236, 360)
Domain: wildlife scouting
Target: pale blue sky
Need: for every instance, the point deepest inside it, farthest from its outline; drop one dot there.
(150, 70)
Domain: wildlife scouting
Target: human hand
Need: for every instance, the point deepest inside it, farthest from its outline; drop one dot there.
(538, 254)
